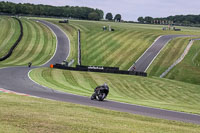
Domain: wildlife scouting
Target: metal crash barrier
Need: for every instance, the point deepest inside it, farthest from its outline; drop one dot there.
(102, 69)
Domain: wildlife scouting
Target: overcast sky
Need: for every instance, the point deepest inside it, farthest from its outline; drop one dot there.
(130, 9)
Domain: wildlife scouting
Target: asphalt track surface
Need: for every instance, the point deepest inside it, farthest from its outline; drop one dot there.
(16, 79)
(142, 64)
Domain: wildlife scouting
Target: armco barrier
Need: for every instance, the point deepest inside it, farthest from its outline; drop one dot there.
(101, 69)
(15, 44)
(79, 47)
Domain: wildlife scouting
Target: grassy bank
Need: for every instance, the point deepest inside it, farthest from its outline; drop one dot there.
(37, 45)
(186, 71)
(9, 33)
(154, 92)
(168, 56)
(119, 48)
(25, 114)
(189, 69)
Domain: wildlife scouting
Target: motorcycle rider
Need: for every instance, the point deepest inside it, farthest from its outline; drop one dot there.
(100, 92)
(29, 64)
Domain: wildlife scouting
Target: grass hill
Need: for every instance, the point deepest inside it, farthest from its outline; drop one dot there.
(126, 44)
(9, 33)
(37, 45)
(168, 56)
(119, 48)
(189, 69)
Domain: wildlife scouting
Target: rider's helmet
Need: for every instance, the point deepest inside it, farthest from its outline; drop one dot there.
(105, 84)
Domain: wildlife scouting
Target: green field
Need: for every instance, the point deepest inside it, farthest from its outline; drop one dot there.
(189, 69)
(119, 48)
(9, 33)
(154, 92)
(125, 45)
(168, 56)
(37, 45)
(20, 114)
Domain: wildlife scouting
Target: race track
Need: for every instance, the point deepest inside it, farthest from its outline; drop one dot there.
(16, 79)
(142, 64)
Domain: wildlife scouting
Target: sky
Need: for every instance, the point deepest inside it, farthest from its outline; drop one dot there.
(130, 9)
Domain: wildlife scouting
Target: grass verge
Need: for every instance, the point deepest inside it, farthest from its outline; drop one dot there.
(25, 114)
(168, 56)
(189, 69)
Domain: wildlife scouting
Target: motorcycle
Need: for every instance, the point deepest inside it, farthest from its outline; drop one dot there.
(100, 93)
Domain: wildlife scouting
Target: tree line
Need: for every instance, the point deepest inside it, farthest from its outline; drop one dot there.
(84, 13)
(184, 20)
(117, 17)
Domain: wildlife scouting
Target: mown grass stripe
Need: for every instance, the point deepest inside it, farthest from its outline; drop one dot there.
(130, 89)
(122, 38)
(81, 27)
(118, 55)
(99, 41)
(10, 33)
(70, 79)
(43, 52)
(20, 49)
(29, 44)
(94, 35)
(34, 44)
(5, 33)
(88, 52)
(124, 91)
(134, 90)
(62, 80)
(106, 47)
(39, 46)
(82, 88)
(82, 83)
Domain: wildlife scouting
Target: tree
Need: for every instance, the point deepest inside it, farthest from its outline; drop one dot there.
(148, 19)
(118, 17)
(109, 16)
(93, 16)
(47, 10)
(140, 20)
(100, 13)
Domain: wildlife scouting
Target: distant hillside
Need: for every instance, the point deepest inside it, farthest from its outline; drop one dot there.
(47, 10)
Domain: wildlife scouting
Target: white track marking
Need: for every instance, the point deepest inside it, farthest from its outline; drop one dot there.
(145, 52)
